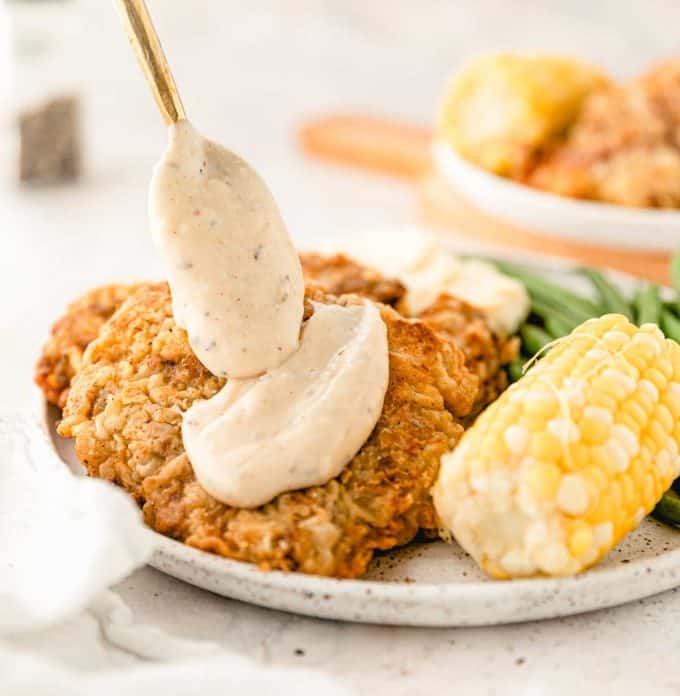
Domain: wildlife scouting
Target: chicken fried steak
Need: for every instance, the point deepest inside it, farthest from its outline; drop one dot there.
(125, 409)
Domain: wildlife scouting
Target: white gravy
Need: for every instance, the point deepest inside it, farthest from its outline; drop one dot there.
(235, 276)
(296, 407)
(299, 424)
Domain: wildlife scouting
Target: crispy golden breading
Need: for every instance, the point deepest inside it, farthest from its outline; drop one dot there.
(340, 275)
(486, 353)
(125, 409)
(63, 352)
(624, 147)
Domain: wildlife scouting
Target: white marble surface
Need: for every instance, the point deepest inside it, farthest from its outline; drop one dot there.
(248, 73)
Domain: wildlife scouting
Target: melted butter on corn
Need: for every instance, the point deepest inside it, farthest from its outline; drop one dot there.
(572, 457)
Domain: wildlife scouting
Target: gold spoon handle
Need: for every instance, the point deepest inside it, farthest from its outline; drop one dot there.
(147, 47)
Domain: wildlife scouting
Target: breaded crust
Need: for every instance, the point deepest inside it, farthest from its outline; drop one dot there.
(486, 353)
(125, 408)
(341, 275)
(63, 352)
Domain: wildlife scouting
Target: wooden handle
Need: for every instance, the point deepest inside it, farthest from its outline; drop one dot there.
(442, 207)
(147, 47)
(371, 143)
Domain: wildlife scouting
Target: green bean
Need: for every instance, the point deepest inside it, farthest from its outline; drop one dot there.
(675, 271)
(546, 311)
(547, 307)
(670, 325)
(557, 328)
(668, 508)
(534, 338)
(647, 303)
(539, 286)
(515, 369)
(610, 296)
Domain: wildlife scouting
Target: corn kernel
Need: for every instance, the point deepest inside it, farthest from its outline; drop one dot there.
(656, 378)
(572, 495)
(544, 446)
(647, 347)
(664, 366)
(663, 415)
(540, 404)
(593, 432)
(596, 478)
(649, 389)
(627, 438)
(577, 456)
(618, 457)
(657, 433)
(632, 414)
(614, 383)
(603, 534)
(565, 430)
(516, 438)
(672, 399)
(553, 558)
(603, 400)
(542, 478)
(580, 539)
(615, 339)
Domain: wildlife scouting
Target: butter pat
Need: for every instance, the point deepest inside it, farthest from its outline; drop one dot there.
(427, 268)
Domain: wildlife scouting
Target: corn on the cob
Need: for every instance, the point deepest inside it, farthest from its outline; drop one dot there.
(572, 457)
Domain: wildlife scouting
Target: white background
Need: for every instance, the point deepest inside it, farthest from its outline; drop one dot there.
(249, 73)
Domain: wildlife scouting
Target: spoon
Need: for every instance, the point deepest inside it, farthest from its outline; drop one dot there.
(147, 47)
(234, 274)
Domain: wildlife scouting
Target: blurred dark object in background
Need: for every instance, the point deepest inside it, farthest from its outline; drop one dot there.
(49, 142)
(43, 116)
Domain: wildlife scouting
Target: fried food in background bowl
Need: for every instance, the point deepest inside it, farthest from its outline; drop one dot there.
(561, 126)
(502, 109)
(624, 146)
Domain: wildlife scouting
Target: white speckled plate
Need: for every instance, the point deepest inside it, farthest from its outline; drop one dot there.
(557, 216)
(429, 584)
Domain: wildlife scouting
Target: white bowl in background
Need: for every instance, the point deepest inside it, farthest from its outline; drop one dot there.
(601, 224)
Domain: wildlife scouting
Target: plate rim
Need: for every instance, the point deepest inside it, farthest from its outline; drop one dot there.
(247, 571)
